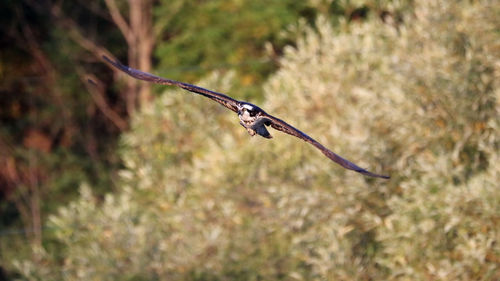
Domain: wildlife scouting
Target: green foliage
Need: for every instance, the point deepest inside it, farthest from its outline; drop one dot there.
(223, 34)
(200, 200)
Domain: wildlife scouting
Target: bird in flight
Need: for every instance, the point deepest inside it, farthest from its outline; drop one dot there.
(253, 118)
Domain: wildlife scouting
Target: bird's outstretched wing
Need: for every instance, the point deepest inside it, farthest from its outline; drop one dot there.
(233, 104)
(281, 125)
(218, 97)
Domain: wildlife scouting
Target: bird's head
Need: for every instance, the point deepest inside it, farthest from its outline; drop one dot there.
(248, 110)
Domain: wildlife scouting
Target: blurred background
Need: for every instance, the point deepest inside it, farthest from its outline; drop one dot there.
(124, 180)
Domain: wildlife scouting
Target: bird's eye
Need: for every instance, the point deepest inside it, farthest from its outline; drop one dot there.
(252, 112)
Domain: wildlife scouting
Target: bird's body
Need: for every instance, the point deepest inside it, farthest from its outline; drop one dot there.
(253, 118)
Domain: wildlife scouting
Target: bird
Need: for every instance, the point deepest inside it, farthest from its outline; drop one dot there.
(254, 119)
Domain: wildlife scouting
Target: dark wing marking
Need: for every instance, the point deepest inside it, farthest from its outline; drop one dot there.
(218, 97)
(281, 125)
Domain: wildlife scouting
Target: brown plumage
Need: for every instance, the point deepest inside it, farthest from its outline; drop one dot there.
(253, 118)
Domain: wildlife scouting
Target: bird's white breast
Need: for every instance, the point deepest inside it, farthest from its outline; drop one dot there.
(245, 116)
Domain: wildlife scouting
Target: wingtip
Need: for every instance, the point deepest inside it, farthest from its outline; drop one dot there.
(106, 58)
(115, 63)
(370, 174)
(380, 176)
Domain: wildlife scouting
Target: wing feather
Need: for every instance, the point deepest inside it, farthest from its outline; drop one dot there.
(218, 97)
(281, 125)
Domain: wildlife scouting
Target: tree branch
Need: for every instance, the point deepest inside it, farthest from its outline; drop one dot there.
(75, 34)
(97, 92)
(120, 21)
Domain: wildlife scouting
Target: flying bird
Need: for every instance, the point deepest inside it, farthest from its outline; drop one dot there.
(252, 118)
